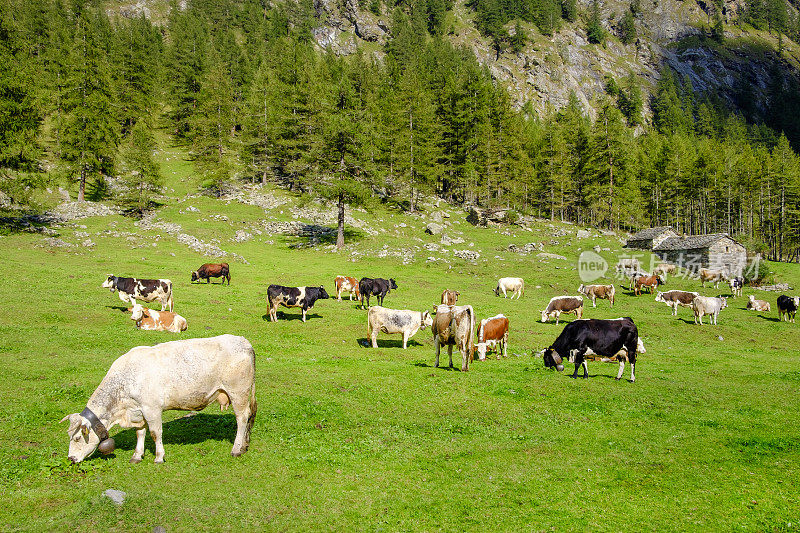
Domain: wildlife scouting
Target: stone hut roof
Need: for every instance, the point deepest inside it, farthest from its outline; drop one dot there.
(650, 233)
(692, 242)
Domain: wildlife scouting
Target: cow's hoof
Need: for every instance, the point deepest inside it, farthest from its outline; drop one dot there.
(159, 461)
(616, 379)
(135, 460)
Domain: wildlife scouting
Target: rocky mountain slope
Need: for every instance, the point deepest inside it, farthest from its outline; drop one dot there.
(551, 67)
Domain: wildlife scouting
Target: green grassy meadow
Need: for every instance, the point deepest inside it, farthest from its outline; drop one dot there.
(349, 438)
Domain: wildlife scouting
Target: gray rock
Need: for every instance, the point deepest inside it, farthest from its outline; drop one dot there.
(467, 255)
(583, 234)
(545, 255)
(116, 496)
(449, 241)
(433, 228)
(597, 248)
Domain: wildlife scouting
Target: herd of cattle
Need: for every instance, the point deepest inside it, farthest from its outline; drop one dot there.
(193, 373)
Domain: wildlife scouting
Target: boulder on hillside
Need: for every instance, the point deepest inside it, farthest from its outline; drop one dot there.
(483, 217)
(433, 228)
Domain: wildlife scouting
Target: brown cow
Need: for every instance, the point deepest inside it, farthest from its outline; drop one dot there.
(346, 283)
(714, 276)
(604, 292)
(492, 333)
(213, 270)
(676, 298)
(450, 297)
(454, 325)
(563, 304)
(650, 282)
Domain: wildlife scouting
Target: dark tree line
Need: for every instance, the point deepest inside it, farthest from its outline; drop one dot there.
(242, 86)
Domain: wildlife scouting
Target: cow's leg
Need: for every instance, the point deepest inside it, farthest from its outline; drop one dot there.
(374, 337)
(305, 309)
(585, 369)
(245, 416)
(593, 301)
(405, 339)
(450, 353)
(153, 419)
(580, 361)
(465, 355)
(558, 315)
(139, 451)
(436, 345)
(621, 368)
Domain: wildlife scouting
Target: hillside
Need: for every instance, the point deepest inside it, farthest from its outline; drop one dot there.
(550, 67)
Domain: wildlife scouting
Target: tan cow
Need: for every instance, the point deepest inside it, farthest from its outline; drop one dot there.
(604, 292)
(757, 305)
(150, 319)
(713, 276)
(450, 297)
(185, 375)
(454, 325)
(346, 283)
(563, 304)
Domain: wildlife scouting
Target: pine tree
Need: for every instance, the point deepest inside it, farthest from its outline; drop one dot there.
(594, 27)
(627, 28)
(213, 124)
(89, 132)
(142, 175)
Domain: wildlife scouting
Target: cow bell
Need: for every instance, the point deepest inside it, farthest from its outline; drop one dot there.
(107, 446)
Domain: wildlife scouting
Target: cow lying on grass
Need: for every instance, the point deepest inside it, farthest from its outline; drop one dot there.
(757, 305)
(185, 375)
(150, 319)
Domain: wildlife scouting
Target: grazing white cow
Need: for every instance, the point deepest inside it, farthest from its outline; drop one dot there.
(706, 305)
(402, 321)
(514, 285)
(454, 325)
(186, 375)
(150, 319)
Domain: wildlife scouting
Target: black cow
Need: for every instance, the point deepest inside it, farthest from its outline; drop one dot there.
(375, 287)
(131, 289)
(604, 337)
(213, 270)
(787, 305)
(293, 297)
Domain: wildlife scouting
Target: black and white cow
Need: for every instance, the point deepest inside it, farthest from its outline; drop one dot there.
(303, 297)
(132, 289)
(787, 307)
(605, 338)
(375, 287)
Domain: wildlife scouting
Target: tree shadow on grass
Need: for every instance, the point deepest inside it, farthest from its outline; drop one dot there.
(189, 429)
(310, 235)
(387, 343)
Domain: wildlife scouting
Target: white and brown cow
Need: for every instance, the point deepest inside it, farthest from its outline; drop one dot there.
(150, 319)
(604, 292)
(516, 286)
(450, 297)
(403, 321)
(346, 283)
(492, 334)
(707, 305)
(650, 283)
(675, 298)
(454, 325)
(712, 276)
(183, 375)
(147, 290)
(757, 305)
(563, 304)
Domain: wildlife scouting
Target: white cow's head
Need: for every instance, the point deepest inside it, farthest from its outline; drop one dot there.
(82, 438)
(137, 312)
(481, 348)
(109, 283)
(427, 319)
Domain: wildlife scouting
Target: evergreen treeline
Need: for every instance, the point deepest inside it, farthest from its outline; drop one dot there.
(241, 84)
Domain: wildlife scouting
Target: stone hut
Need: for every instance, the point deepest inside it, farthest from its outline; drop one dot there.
(649, 238)
(716, 251)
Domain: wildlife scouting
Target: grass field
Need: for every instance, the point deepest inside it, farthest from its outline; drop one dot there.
(354, 438)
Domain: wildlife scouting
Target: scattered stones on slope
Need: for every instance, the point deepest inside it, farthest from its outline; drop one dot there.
(149, 222)
(433, 228)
